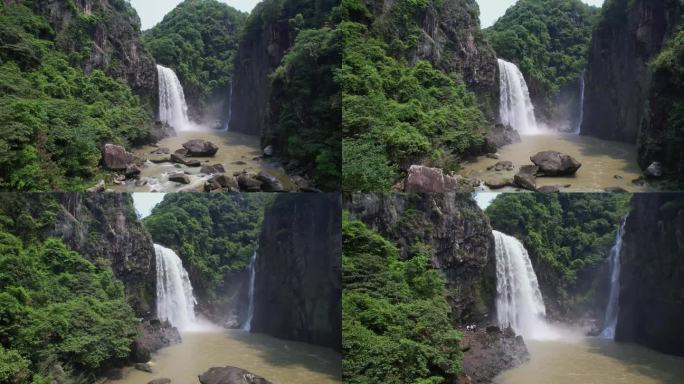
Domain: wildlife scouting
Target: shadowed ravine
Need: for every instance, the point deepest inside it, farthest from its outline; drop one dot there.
(280, 361)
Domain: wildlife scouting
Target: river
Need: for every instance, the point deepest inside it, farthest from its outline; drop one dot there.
(605, 164)
(279, 361)
(594, 361)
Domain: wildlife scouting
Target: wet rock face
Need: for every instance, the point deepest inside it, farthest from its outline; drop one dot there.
(457, 231)
(426, 179)
(651, 303)
(618, 78)
(298, 270)
(117, 48)
(153, 335)
(488, 352)
(105, 226)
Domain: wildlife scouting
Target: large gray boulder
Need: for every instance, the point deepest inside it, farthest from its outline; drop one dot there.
(200, 148)
(115, 157)
(526, 178)
(553, 163)
(230, 375)
(425, 179)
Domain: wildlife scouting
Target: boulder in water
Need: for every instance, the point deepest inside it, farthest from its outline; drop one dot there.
(549, 189)
(200, 148)
(115, 157)
(526, 178)
(230, 375)
(494, 182)
(180, 178)
(132, 171)
(212, 169)
(270, 183)
(177, 158)
(222, 183)
(654, 170)
(163, 380)
(144, 367)
(553, 163)
(249, 182)
(502, 166)
(500, 136)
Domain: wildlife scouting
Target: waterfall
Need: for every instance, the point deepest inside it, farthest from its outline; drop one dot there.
(578, 128)
(515, 105)
(247, 326)
(610, 321)
(230, 107)
(172, 107)
(519, 302)
(175, 300)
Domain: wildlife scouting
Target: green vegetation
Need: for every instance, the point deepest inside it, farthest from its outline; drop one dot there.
(54, 116)
(395, 317)
(214, 234)
(395, 112)
(566, 234)
(547, 39)
(60, 314)
(199, 39)
(310, 104)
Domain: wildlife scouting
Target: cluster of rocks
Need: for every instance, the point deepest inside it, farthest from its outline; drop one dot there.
(545, 164)
(222, 375)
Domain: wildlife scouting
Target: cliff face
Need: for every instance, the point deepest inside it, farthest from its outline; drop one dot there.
(115, 45)
(619, 80)
(298, 270)
(458, 233)
(651, 303)
(260, 52)
(103, 227)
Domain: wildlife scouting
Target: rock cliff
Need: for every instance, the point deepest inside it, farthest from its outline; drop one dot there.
(618, 81)
(103, 227)
(105, 35)
(298, 270)
(451, 39)
(456, 230)
(651, 302)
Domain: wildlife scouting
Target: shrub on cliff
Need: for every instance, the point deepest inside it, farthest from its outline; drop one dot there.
(395, 317)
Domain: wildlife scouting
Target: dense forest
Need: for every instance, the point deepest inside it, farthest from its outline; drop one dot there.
(62, 316)
(54, 114)
(398, 111)
(568, 237)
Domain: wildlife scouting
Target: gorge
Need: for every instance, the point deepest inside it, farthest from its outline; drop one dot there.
(151, 311)
(531, 307)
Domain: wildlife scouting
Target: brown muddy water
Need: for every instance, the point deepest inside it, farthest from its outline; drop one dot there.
(594, 361)
(605, 164)
(279, 361)
(237, 152)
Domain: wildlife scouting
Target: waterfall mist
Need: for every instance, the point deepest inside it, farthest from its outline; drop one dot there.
(611, 317)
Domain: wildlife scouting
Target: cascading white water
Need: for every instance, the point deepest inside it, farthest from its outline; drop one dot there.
(610, 320)
(230, 108)
(515, 105)
(172, 107)
(578, 127)
(247, 325)
(175, 300)
(519, 302)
